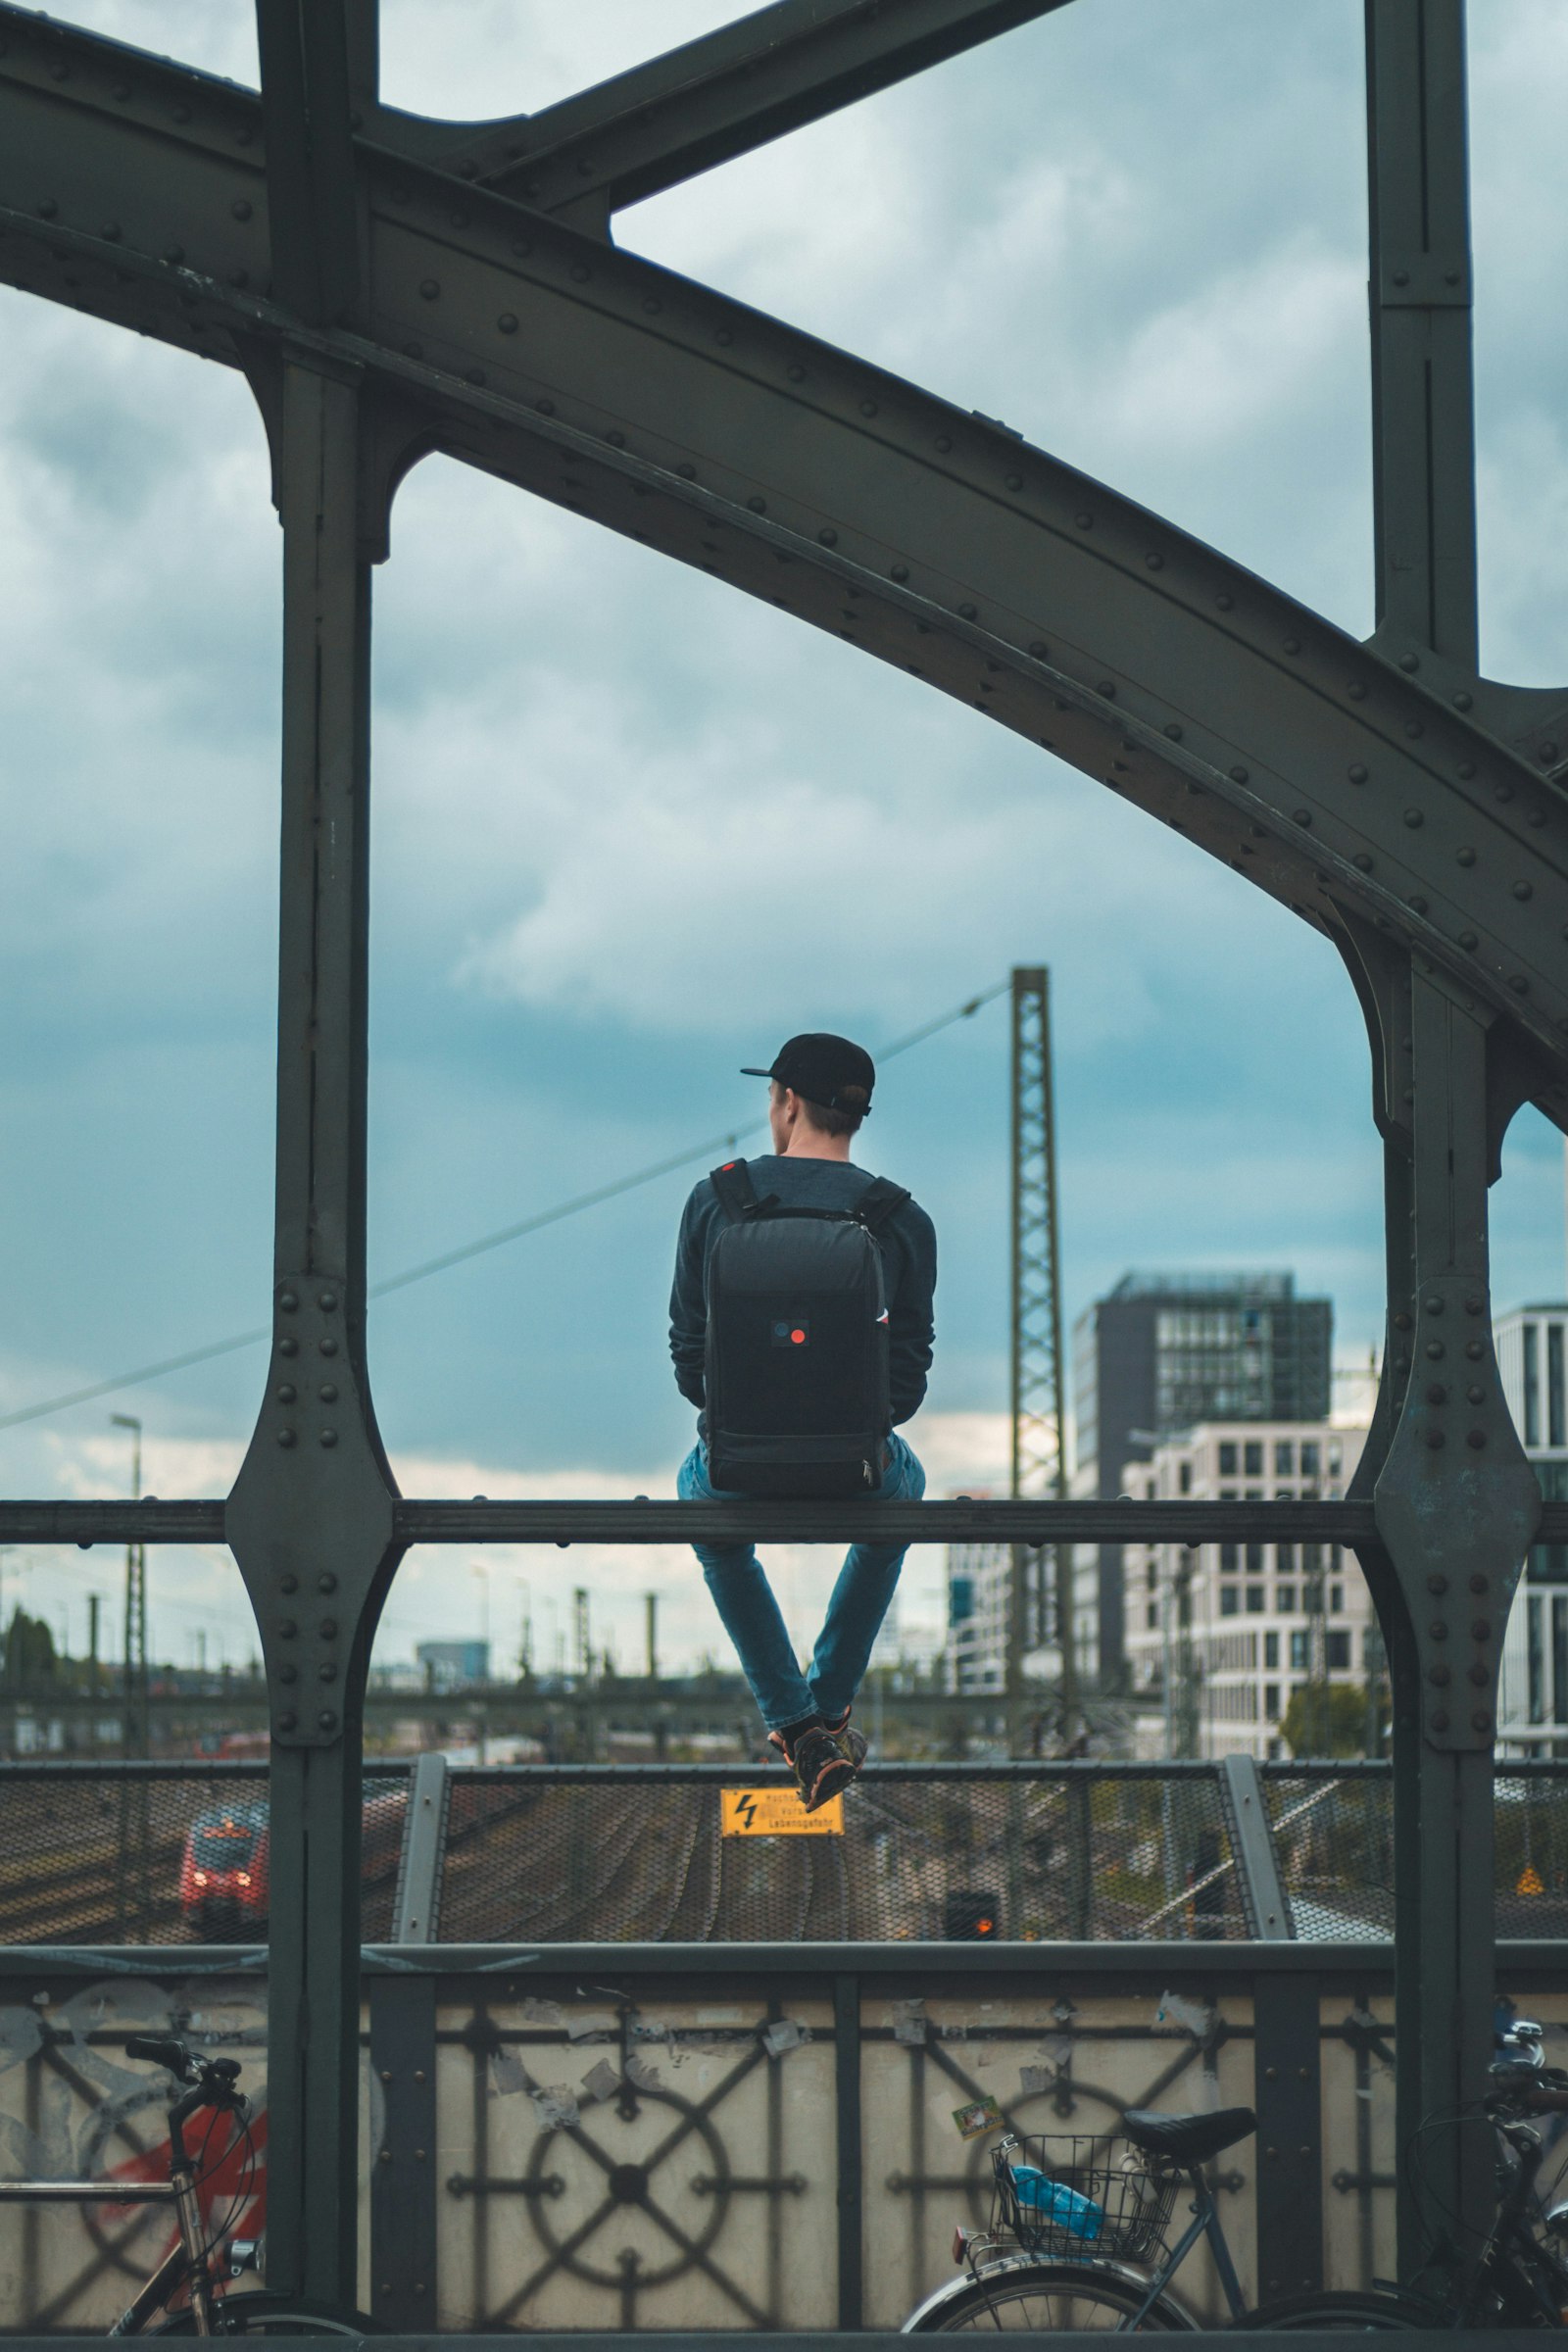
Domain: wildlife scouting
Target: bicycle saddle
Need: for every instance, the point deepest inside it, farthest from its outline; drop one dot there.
(1186, 2138)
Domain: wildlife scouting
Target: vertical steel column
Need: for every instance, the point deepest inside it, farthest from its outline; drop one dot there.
(847, 2106)
(1456, 1504)
(310, 1520)
(1423, 416)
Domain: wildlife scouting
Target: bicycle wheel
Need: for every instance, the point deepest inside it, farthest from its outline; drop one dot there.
(1375, 2309)
(272, 2315)
(1044, 2294)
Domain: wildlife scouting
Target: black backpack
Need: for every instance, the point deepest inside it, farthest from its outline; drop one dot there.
(796, 1381)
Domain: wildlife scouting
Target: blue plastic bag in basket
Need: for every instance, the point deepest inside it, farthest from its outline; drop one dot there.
(1055, 2202)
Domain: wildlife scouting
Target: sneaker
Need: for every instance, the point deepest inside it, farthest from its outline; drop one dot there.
(853, 1744)
(822, 1768)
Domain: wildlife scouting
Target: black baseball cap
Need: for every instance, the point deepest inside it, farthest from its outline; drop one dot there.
(818, 1065)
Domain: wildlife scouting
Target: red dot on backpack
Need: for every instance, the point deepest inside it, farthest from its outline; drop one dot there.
(799, 1337)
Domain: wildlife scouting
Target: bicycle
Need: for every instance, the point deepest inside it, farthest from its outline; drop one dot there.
(1070, 2226)
(193, 2262)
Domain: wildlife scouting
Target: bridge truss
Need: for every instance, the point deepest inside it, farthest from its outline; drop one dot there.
(391, 286)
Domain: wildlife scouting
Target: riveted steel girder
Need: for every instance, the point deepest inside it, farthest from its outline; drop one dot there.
(1336, 780)
(705, 102)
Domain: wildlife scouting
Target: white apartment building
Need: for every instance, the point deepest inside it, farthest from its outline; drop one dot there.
(1532, 1343)
(979, 1577)
(1225, 1633)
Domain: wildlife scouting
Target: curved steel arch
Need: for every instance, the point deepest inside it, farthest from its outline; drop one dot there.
(393, 286)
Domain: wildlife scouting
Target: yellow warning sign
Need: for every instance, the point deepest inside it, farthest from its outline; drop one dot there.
(777, 1813)
(1529, 1880)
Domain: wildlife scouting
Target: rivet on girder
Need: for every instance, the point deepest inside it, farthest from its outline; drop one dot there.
(1442, 1676)
(1085, 522)
(474, 376)
(1413, 818)
(1480, 1629)
(288, 1672)
(182, 114)
(828, 538)
(1477, 1439)
(901, 572)
(507, 322)
(797, 374)
(1224, 603)
(521, 248)
(1416, 905)
(759, 506)
(1155, 562)
(1039, 649)
(1502, 792)
(653, 306)
(968, 613)
(288, 1393)
(60, 71)
(1357, 691)
(1462, 701)
(1413, 729)
(458, 219)
(1304, 816)
(869, 408)
(287, 1721)
(429, 288)
(326, 1720)
(286, 1437)
(724, 335)
(1537, 817)
(1480, 1721)
(1238, 775)
(1356, 772)
(48, 209)
(1107, 689)
(1468, 941)
(547, 408)
(241, 208)
(1016, 481)
(1173, 731)
(943, 444)
(1467, 857)
(1519, 984)
(580, 275)
(1409, 663)
(1547, 751)
(1523, 890)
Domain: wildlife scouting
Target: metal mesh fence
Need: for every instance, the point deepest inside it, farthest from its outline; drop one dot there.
(924, 1851)
(173, 1852)
(178, 1852)
(1333, 1830)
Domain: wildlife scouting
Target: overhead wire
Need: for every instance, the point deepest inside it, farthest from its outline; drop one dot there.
(561, 1209)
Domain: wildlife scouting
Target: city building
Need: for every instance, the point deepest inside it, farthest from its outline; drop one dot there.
(1224, 1634)
(453, 1665)
(1533, 1704)
(979, 1586)
(1159, 1354)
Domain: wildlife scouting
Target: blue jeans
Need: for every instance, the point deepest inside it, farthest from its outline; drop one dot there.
(745, 1601)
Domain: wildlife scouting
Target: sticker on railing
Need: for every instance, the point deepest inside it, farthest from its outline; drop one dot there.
(777, 1813)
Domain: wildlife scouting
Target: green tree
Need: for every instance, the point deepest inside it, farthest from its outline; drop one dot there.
(30, 1648)
(1326, 1719)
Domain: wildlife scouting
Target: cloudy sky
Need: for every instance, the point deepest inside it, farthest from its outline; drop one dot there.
(632, 830)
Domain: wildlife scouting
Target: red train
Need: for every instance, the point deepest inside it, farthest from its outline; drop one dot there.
(225, 1868)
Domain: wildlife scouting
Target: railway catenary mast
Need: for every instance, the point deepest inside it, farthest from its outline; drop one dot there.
(1039, 1606)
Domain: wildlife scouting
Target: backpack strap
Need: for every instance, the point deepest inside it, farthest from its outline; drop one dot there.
(734, 1189)
(880, 1200)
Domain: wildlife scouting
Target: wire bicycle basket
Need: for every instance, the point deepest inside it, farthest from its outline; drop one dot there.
(1068, 2194)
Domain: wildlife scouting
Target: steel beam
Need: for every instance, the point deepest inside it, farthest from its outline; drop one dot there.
(1423, 410)
(952, 1521)
(310, 1520)
(1331, 778)
(713, 98)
